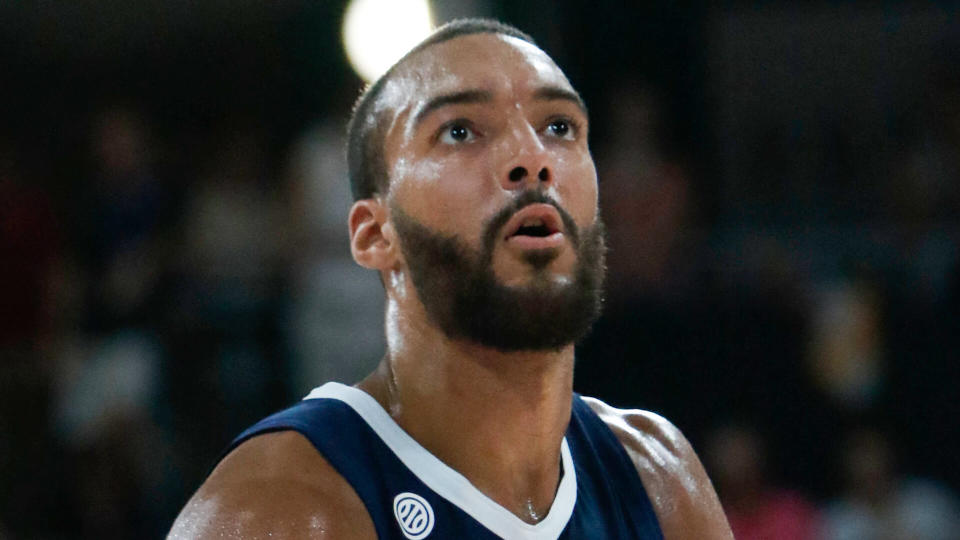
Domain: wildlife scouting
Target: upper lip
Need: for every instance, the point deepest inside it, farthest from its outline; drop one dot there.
(543, 212)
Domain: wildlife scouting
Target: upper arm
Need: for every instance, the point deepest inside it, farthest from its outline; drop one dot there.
(274, 485)
(681, 493)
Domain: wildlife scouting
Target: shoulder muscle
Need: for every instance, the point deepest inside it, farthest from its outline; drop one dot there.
(274, 485)
(683, 497)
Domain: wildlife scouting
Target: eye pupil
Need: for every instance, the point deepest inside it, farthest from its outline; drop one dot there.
(459, 133)
(559, 127)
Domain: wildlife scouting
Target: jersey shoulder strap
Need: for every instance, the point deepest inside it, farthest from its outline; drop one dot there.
(349, 445)
(610, 494)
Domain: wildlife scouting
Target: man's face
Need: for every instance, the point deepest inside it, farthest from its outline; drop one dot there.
(493, 192)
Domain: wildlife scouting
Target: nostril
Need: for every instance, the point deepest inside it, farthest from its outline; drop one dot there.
(543, 175)
(517, 174)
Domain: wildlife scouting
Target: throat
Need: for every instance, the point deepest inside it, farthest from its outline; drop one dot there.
(531, 514)
(497, 419)
(532, 500)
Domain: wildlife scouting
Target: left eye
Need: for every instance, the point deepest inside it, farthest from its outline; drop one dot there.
(561, 128)
(457, 133)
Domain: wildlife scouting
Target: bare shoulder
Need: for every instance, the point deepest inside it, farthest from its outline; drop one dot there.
(274, 485)
(683, 497)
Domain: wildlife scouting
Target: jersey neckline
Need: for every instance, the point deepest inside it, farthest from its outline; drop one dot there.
(449, 483)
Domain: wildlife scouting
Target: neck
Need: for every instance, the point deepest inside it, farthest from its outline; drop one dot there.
(497, 418)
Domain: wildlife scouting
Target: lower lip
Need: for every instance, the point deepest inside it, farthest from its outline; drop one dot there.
(535, 242)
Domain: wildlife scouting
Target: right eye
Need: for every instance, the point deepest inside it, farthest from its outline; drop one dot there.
(457, 132)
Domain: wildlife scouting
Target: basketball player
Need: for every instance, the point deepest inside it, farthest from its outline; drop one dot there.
(476, 201)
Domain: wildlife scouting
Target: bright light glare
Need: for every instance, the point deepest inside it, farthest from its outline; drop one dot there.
(376, 33)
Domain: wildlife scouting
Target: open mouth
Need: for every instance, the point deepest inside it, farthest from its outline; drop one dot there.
(537, 230)
(535, 221)
(534, 228)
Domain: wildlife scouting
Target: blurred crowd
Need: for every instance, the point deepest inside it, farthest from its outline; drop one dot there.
(809, 353)
(799, 323)
(147, 319)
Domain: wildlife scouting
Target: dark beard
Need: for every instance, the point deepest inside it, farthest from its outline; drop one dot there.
(463, 298)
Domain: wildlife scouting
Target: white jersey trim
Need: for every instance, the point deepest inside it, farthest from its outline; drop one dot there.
(452, 485)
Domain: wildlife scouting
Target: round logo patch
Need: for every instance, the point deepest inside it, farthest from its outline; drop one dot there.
(414, 515)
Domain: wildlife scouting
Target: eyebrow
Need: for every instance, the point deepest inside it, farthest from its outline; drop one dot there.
(550, 93)
(456, 98)
(546, 93)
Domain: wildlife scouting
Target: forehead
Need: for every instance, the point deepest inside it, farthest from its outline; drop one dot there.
(492, 62)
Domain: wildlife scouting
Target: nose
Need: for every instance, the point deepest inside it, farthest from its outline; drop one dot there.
(529, 164)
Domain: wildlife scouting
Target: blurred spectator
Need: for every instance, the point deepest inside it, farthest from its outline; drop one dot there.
(756, 509)
(847, 349)
(122, 214)
(879, 503)
(336, 317)
(233, 235)
(645, 196)
(106, 416)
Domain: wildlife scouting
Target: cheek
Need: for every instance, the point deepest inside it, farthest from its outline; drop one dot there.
(579, 192)
(445, 195)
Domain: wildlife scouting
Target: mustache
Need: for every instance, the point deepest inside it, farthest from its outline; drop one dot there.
(524, 199)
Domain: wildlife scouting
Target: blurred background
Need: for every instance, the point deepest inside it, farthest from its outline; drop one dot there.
(781, 185)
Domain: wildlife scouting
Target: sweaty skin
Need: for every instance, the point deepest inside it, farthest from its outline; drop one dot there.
(496, 417)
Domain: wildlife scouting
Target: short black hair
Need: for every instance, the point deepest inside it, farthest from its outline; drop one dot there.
(365, 164)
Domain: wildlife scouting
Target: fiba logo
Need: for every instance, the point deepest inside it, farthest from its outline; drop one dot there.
(414, 515)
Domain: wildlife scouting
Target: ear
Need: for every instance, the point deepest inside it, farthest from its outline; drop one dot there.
(372, 238)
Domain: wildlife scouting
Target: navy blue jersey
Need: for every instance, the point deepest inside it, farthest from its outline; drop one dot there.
(410, 494)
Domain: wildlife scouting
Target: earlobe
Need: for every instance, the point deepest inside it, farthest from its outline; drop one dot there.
(372, 241)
